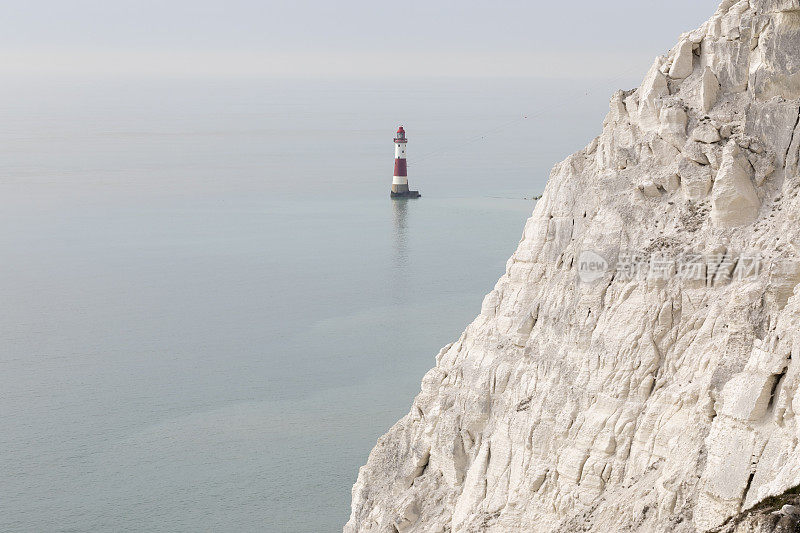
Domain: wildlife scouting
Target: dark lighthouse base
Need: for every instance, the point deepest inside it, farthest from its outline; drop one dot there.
(401, 191)
(407, 194)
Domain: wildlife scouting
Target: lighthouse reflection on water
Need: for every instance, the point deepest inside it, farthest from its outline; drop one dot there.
(400, 262)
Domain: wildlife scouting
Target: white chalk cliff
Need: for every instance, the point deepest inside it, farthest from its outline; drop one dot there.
(593, 400)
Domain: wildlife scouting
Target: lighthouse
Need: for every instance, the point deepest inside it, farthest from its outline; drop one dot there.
(400, 179)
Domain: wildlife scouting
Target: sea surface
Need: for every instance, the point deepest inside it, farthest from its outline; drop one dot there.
(211, 309)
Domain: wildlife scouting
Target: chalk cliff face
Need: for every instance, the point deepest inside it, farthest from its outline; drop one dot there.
(637, 366)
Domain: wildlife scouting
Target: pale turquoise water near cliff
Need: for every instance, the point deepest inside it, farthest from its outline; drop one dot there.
(211, 309)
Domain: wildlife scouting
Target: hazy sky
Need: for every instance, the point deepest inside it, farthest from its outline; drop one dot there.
(574, 38)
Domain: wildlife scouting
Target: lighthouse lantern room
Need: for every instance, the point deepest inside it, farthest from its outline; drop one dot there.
(400, 179)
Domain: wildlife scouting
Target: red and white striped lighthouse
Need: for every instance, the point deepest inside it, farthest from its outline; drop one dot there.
(400, 179)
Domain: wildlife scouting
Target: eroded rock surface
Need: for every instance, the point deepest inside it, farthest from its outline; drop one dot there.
(661, 398)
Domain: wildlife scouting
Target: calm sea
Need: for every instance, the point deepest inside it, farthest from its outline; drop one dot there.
(210, 307)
